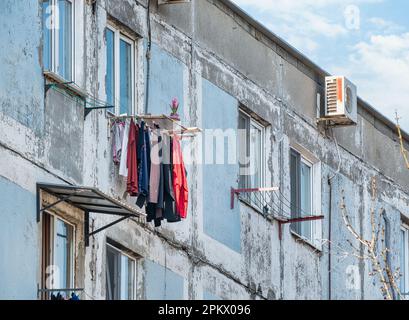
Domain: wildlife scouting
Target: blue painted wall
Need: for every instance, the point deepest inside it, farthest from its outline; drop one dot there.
(19, 259)
(220, 111)
(166, 82)
(161, 283)
(209, 296)
(21, 33)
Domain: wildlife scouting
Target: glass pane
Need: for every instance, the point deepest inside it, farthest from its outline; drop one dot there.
(65, 39)
(63, 254)
(110, 274)
(47, 25)
(127, 278)
(402, 261)
(306, 199)
(131, 279)
(255, 163)
(120, 283)
(243, 148)
(125, 77)
(110, 76)
(294, 184)
(124, 278)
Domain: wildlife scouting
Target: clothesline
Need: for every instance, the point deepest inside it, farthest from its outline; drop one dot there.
(155, 119)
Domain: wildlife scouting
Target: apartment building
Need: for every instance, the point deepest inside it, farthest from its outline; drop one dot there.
(70, 68)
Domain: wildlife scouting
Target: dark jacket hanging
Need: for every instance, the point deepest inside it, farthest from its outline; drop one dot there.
(144, 165)
(169, 195)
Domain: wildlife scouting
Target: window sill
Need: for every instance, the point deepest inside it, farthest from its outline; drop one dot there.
(54, 78)
(305, 241)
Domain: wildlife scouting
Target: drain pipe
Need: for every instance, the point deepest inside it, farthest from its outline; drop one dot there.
(388, 246)
(330, 178)
(330, 240)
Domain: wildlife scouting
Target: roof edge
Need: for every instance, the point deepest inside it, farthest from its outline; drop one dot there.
(308, 62)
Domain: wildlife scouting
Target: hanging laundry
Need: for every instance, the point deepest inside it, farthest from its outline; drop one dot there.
(144, 164)
(132, 163)
(154, 178)
(117, 130)
(123, 170)
(170, 214)
(154, 208)
(180, 185)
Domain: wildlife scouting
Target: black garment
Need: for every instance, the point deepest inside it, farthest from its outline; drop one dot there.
(165, 208)
(170, 212)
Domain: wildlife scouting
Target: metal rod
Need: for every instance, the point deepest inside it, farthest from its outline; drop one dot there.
(63, 199)
(86, 228)
(303, 219)
(59, 290)
(109, 225)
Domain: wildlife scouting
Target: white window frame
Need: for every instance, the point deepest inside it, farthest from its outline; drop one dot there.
(118, 36)
(53, 236)
(316, 190)
(113, 247)
(55, 40)
(262, 165)
(405, 273)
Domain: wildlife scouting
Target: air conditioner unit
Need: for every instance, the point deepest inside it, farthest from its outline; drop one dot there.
(341, 101)
(172, 1)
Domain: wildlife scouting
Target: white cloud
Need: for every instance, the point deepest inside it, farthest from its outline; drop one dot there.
(380, 67)
(378, 63)
(297, 20)
(385, 26)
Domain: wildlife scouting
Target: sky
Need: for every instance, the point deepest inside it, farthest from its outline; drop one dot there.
(365, 40)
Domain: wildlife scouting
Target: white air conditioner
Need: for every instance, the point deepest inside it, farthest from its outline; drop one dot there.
(172, 1)
(341, 101)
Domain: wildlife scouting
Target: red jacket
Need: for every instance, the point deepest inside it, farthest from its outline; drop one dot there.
(180, 186)
(132, 183)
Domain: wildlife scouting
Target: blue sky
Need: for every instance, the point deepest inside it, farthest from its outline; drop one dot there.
(366, 40)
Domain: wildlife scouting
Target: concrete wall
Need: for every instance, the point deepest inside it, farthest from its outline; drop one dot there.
(18, 238)
(212, 68)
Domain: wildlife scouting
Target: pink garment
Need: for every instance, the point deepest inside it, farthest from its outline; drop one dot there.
(154, 179)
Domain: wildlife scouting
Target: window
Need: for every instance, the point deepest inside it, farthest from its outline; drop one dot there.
(404, 261)
(120, 275)
(251, 149)
(58, 33)
(58, 253)
(120, 72)
(305, 195)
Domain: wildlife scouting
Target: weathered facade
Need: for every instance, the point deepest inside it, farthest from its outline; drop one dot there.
(216, 60)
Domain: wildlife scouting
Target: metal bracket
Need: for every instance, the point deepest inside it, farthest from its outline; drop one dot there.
(234, 192)
(41, 210)
(89, 234)
(51, 85)
(87, 110)
(287, 221)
